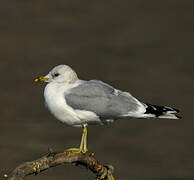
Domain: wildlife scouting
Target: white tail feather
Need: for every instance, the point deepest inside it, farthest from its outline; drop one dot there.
(168, 116)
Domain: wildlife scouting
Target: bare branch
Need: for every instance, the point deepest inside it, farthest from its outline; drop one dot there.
(102, 172)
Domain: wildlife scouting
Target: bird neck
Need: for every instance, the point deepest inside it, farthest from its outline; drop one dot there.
(72, 77)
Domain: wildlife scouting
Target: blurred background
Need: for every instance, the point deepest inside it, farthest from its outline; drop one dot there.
(144, 47)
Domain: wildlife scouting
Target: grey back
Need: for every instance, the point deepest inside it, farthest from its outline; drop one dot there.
(101, 98)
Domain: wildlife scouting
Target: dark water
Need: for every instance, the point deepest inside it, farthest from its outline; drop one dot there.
(145, 47)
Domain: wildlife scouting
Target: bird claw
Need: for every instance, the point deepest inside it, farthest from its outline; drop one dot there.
(77, 150)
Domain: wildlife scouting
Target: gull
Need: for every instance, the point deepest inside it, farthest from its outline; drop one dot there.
(81, 103)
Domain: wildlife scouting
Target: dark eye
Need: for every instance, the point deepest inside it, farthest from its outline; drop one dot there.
(56, 74)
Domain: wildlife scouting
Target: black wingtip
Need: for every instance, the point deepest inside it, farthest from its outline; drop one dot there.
(177, 110)
(161, 110)
(179, 117)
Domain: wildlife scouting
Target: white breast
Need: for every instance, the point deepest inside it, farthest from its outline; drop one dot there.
(55, 102)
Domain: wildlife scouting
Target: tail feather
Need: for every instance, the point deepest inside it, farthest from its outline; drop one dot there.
(161, 112)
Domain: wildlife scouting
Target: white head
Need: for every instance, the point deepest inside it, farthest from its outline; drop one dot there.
(59, 74)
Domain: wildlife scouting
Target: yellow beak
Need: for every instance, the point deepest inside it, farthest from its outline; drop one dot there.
(41, 78)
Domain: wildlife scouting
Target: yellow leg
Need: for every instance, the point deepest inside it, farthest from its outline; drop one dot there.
(83, 144)
(102, 177)
(85, 132)
(112, 178)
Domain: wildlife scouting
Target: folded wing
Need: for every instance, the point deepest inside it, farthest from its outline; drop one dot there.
(102, 99)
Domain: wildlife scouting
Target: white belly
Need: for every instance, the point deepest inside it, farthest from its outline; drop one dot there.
(55, 102)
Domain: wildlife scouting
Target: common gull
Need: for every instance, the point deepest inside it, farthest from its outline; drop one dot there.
(80, 103)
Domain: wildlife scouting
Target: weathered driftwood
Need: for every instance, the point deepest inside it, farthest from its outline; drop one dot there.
(52, 159)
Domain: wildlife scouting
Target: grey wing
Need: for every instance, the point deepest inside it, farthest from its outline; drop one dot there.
(101, 98)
